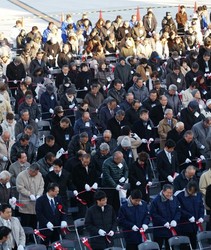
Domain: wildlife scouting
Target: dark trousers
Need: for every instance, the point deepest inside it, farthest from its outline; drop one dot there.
(192, 237)
(131, 246)
(160, 241)
(28, 220)
(113, 198)
(51, 236)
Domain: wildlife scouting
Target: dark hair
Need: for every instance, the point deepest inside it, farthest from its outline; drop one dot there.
(10, 116)
(125, 130)
(167, 186)
(144, 111)
(24, 137)
(49, 156)
(136, 194)
(117, 80)
(49, 138)
(99, 195)
(170, 143)
(51, 186)
(4, 206)
(58, 162)
(19, 153)
(192, 185)
(143, 156)
(29, 127)
(4, 232)
(65, 120)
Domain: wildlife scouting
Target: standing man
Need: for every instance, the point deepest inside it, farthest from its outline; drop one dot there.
(115, 174)
(101, 220)
(49, 214)
(165, 212)
(133, 216)
(181, 19)
(30, 186)
(167, 163)
(17, 238)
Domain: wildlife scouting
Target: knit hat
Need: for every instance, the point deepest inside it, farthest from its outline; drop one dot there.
(126, 142)
(208, 102)
(193, 92)
(121, 59)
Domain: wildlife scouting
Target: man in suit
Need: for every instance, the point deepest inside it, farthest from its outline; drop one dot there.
(50, 215)
(167, 163)
(17, 238)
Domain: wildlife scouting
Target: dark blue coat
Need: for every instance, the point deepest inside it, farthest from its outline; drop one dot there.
(162, 212)
(190, 206)
(47, 102)
(133, 215)
(45, 214)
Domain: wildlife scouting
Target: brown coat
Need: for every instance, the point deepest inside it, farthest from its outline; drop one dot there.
(163, 129)
(181, 19)
(142, 71)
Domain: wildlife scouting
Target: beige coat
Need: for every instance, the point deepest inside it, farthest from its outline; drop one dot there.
(204, 182)
(5, 108)
(163, 129)
(17, 232)
(27, 185)
(4, 152)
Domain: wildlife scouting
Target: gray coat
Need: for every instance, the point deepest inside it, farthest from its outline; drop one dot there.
(202, 136)
(27, 185)
(17, 232)
(140, 94)
(14, 169)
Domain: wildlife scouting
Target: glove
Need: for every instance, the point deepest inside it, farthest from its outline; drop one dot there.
(200, 220)
(32, 197)
(50, 226)
(75, 192)
(111, 233)
(20, 247)
(12, 202)
(63, 224)
(144, 140)
(187, 160)
(87, 187)
(72, 106)
(138, 183)
(173, 223)
(151, 140)
(149, 183)
(51, 111)
(121, 180)
(36, 120)
(101, 232)
(5, 158)
(85, 88)
(37, 196)
(167, 225)
(145, 227)
(118, 187)
(135, 228)
(192, 219)
(202, 157)
(104, 87)
(170, 178)
(202, 147)
(95, 185)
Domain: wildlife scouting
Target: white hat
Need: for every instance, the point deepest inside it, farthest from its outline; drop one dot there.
(126, 142)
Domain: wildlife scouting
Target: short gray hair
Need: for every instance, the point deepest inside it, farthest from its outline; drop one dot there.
(4, 175)
(173, 87)
(34, 166)
(168, 111)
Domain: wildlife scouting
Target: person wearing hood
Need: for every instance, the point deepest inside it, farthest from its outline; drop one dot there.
(155, 63)
(123, 71)
(191, 115)
(133, 216)
(48, 102)
(139, 90)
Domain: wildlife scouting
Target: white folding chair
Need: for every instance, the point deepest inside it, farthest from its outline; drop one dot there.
(36, 247)
(203, 238)
(148, 245)
(79, 223)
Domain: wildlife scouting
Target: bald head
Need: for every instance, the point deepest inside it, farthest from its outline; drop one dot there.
(5, 136)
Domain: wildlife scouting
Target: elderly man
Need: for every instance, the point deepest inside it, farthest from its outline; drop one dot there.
(46, 164)
(17, 237)
(33, 138)
(166, 125)
(30, 186)
(173, 99)
(187, 150)
(107, 138)
(79, 142)
(139, 90)
(5, 148)
(177, 132)
(18, 166)
(115, 174)
(165, 213)
(202, 134)
(5, 187)
(187, 175)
